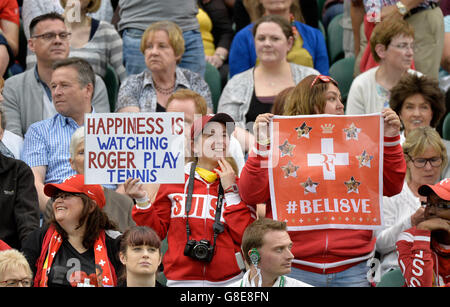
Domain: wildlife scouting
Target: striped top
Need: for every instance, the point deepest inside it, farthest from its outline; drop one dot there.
(103, 48)
(47, 143)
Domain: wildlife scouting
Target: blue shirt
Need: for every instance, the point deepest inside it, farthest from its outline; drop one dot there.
(243, 55)
(47, 143)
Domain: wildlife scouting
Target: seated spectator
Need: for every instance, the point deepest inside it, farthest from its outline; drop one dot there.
(79, 234)
(18, 201)
(419, 102)
(391, 44)
(140, 254)
(426, 158)
(193, 105)
(423, 250)
(203, 248)
(28, 97)
(163, 46)
(46, 144)
(14, 269)
(118, 206)
(308, 47)
(252, 92)
(9, 33)
(267, 249)
(10, 144)
(217, 33)
(94, 40)
(424, 16)
(136, 16)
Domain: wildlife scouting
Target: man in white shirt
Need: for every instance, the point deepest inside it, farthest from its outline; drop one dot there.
(267, 249)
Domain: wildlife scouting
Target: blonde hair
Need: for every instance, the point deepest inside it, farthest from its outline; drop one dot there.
(174, 32)
(13, 260)
(420, 139)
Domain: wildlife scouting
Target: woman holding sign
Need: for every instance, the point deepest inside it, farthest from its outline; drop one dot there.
(203, 218)
(323, 257)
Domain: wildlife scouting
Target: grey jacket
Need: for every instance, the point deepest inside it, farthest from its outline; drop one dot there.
(237, 94)
(23, 101)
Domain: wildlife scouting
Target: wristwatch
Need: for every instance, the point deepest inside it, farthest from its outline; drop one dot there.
(401, 8)
(233, 188)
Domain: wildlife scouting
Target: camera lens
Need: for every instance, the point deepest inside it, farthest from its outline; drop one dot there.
(200, 251)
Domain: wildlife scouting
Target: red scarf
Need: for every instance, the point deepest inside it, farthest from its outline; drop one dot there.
(51, 244)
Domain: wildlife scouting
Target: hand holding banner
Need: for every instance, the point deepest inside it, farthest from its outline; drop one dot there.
(148, 146)
(329, 171)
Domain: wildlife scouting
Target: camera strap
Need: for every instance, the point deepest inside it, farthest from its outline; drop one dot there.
(218, 226)
(189, 196)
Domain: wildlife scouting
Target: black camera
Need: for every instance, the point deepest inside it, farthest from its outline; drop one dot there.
(199, 250)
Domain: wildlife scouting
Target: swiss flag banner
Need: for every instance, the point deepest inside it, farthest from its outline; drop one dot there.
(326, 171)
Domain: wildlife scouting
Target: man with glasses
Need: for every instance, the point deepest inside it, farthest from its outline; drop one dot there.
(424, 250)
(27, 95)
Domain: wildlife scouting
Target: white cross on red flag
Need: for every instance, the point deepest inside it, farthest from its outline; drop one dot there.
(326, 171)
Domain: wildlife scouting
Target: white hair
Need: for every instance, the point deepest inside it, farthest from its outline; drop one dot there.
(77, 138)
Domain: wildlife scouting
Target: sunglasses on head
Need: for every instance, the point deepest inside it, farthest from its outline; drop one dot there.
(324, 79)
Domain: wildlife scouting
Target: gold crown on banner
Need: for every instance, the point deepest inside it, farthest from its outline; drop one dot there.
(327, 128)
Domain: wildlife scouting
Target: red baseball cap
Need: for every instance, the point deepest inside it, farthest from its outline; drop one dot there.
(201, 122)
(75, 184)
(442, 189)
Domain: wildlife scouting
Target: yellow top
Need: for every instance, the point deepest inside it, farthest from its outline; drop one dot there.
(205, 30)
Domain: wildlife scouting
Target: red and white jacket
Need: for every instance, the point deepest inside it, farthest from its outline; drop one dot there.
(167, 216)
(329, 250)
(423, 261)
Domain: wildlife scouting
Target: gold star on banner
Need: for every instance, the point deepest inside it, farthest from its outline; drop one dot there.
(364, 159)
(290, 170)
(309, 185)
(303, 130)
(352, 132)
(286, 149)
(352, 185)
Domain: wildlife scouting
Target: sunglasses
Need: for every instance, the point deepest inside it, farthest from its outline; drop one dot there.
(324, 79)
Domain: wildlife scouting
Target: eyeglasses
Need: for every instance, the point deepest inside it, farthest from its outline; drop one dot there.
(404, 46)
(26, 282)
(64, 195)
(323, 78)
(440, 205)
(421, 162)
(51, 36)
